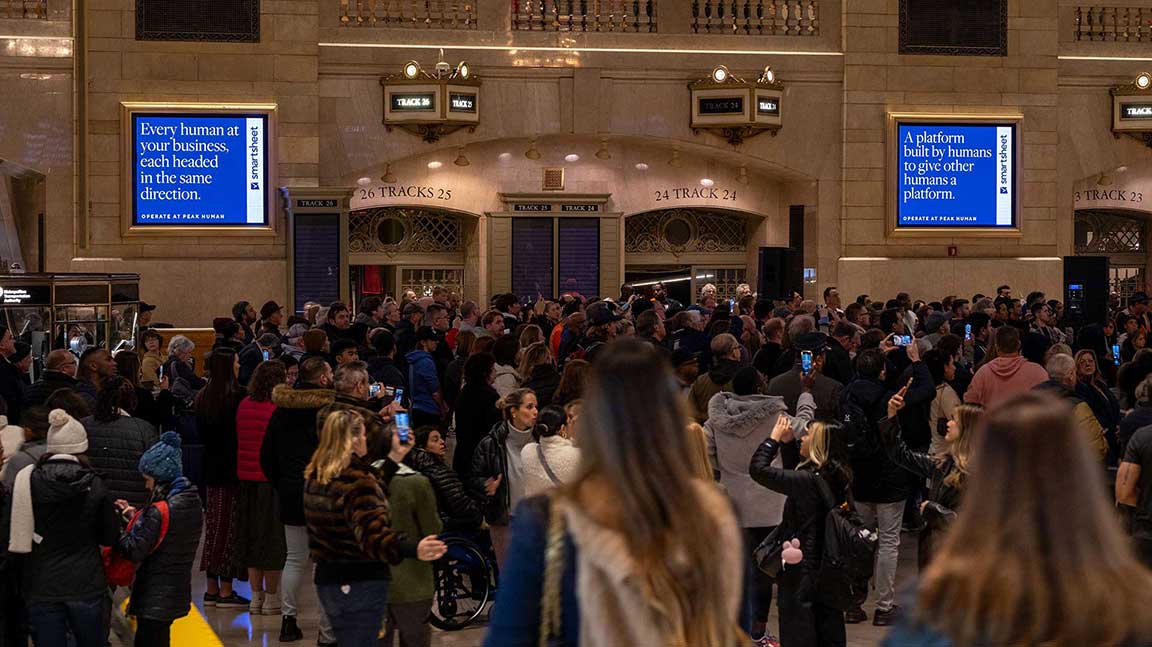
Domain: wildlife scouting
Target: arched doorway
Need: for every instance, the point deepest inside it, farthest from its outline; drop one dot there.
(395, 249)
(1120, 235)
(687, 248)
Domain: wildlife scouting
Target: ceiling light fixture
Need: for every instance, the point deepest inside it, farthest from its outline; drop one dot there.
(532, 153)
(720, 74)
(411, 70)
(742, 178)
(504, 157)
(461, 159)
(388, 177)
(435, 165)
(641, 166)
(707, 183)
(364, 182)
(602, 153)
(571, 157)
(675, 161)
(1144, 81)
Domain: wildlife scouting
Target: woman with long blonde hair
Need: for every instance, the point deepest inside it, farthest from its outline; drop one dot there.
(823, 474)
(946, 471)
(639, 549)
(350, 528)
(1037, 556)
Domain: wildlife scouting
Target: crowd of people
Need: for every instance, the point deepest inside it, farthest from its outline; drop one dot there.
(644, 471)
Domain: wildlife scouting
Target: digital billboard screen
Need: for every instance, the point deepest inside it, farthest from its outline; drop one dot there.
(956, 175)
(199, 169)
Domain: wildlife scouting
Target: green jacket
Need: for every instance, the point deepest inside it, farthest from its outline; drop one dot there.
(413, 504)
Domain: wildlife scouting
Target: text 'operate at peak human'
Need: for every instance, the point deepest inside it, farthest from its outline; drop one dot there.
(199, 169)
(956, 175)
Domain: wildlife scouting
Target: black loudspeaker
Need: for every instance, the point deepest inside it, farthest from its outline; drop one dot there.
(781, 273)
(1085, 290)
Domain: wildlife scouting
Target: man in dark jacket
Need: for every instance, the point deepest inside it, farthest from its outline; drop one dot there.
(245, 315)
(844, 339)
(726, 363)
(289, 443)
(252, 354)
(437, 320)
(878, 484)
(406, 331)
(59, 373)
(96, 365)
(382, 367)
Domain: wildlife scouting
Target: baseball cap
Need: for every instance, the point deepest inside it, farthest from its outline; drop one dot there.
(146, 307)
(601, 314)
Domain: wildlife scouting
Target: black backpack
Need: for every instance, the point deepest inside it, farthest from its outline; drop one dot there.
(849, 555)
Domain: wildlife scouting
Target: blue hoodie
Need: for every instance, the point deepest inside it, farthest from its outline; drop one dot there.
(423, 382)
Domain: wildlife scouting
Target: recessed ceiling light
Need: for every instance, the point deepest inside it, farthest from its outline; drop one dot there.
(571, 157)
(705, 182)
(364, 181)
(435, 165)
(504, 157)
(641, 167)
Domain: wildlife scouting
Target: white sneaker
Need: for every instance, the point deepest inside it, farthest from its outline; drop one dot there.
(271, 606)
(256, 603)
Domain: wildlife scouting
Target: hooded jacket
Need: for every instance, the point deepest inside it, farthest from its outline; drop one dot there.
(1003, 378)
(718, 379)
(737, 425)
(74, 517)
(163, 586)
(424, 382)
(543, 380)
(289, 442)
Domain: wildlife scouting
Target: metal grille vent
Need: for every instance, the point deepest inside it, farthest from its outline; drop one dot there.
(393, 230)
(553, 179)
(685, 230)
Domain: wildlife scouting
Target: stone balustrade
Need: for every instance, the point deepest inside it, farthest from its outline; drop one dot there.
(756, 17)
(1114, 24)
(409, 14)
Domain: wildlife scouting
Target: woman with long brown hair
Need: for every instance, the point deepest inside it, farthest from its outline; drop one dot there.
(1041, 561)
(215, 408)
(946, 471)
(638, 550)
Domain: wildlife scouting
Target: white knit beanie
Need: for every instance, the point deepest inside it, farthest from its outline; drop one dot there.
(11, 437)
(65, 434)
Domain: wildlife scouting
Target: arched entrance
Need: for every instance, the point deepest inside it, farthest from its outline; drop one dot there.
(686, 248)
(1120, 235)
(395, 249)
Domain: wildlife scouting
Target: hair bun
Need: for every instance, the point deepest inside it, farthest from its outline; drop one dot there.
(170, 438)
(58, 418)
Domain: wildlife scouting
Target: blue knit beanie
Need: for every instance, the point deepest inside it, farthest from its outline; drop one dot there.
(162, 461)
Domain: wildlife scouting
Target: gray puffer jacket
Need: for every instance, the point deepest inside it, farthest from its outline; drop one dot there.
(737, 425)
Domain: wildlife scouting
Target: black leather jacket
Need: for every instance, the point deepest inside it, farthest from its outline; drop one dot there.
(114, 450)
(458, 508)
(490, 460)
(805, 504)
(163, 586)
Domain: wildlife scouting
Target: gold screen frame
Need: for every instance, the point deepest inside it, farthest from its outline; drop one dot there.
(895, 119)
(271, 178)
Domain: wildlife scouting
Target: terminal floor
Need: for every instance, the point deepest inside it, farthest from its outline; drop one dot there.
(235, 627)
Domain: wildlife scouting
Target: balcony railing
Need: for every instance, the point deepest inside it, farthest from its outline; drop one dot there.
(412, 14)
(585, 15)
(756, 17)
(32, 9)
(1115, 24)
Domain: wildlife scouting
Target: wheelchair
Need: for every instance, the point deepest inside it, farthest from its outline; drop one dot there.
(465, 580)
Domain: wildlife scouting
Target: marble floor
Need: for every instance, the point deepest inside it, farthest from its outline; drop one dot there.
(236, 627)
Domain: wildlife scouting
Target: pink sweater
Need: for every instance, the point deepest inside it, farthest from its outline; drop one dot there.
(1003, 378)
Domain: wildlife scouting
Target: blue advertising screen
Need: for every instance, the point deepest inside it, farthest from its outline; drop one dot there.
(199, 170)
(956, 175)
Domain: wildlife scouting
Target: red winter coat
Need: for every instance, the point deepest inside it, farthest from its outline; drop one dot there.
(251, 422)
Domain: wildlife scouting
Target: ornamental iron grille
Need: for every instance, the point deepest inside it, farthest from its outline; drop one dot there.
(398, 230)
(1125, 281)
(1108, 233)
(677, 231)
(954, 27)
(726, 281)
(230, 21)
(421, 281)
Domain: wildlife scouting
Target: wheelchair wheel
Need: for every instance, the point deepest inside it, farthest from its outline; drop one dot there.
(463, 590)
